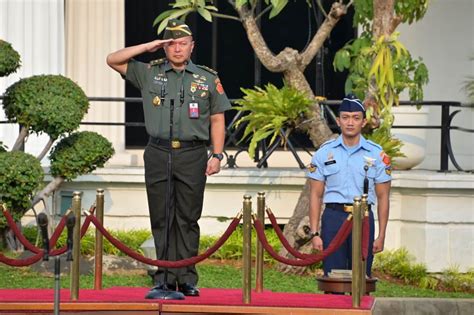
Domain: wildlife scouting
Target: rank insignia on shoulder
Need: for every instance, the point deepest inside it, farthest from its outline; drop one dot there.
(157, 62)
(388, 170)
(214, 72)
(312, 168)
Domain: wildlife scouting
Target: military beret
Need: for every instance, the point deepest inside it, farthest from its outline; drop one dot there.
(176, 29)
(351, 104)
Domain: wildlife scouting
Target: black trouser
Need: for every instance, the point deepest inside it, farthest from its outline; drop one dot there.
(187, 192)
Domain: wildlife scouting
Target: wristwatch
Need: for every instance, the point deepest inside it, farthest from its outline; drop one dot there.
(218, 156)
(313, 234)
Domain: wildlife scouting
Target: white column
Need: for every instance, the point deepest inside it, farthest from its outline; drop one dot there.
(94, 28)
(36, 30)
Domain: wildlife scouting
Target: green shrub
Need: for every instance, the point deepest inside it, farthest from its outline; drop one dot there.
(452, 279)
(80, 153)
(232, 248)
(46, 103)
(132, 239)
(9, 59)
(21, 176)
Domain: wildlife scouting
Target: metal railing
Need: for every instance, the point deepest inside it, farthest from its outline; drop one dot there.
(263, 152)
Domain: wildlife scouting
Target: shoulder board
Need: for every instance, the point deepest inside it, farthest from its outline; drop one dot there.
(157, 62)
(327, 142)
(375, 144)
(214, 72)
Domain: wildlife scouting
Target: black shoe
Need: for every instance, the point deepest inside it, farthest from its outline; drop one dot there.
(188, 289)
(161, 286)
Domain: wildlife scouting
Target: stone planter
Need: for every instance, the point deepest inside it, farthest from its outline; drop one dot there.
(414, 140)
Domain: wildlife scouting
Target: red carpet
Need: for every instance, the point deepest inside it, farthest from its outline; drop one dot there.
(218, 297)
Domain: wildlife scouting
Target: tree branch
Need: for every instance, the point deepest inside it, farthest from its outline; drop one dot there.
(21, 137)
(225, 16)
(46, 149)
(320, 6)
(337, 11)
(260, 47)
(263, 12)
(48, 190)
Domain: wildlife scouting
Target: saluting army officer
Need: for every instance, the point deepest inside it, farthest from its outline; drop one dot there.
(199, 105)
(337, 174)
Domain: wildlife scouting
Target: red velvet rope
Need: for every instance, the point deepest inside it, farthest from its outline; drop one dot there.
(340, 237)
(365, 237)
(165, 263)
(21, 262)
(32, 248)
(39, 252)
(283, 239)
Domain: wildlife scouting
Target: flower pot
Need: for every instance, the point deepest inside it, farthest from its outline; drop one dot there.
(414, 140)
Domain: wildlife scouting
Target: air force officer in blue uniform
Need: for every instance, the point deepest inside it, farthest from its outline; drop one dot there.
(337, 174)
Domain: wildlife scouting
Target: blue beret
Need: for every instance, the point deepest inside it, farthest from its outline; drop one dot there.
(351, 105)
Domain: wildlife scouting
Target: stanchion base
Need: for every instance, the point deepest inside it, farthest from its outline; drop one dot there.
(157, 294)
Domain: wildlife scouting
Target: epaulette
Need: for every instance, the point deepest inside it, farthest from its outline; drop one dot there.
(327, 142)
(157, 62)
(375, 144)
(214, 72)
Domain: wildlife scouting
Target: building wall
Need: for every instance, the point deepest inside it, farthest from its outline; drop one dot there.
(444, 38)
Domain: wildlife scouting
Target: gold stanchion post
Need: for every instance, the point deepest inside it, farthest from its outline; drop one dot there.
(99, 214)
(259, 249)
(76, 251)
(247, 249)
(356, 251)
(364, 213)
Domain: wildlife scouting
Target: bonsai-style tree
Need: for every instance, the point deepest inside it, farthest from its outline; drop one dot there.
(51, 104)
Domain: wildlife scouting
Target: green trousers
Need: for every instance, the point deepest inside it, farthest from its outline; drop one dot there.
(187, 193)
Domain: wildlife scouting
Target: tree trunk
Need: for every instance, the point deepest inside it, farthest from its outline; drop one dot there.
(52, 186)
(10, 241)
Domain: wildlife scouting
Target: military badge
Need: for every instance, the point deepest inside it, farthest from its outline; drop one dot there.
(312, 168)
(385, 158)
(203, 94)
(156, 101)
(196, 76)
(369, 161)
(388, 170)
(219, 87)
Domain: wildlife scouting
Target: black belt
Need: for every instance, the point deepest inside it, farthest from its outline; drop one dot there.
(177, 144)
(346, 207)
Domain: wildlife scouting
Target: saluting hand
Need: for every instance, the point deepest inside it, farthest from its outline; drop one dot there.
(213, 166)
(317, 243)
(157, 44)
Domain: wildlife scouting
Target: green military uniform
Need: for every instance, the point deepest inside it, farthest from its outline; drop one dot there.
(197, 94)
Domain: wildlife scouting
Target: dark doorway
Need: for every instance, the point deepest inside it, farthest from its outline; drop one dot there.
(224, 47)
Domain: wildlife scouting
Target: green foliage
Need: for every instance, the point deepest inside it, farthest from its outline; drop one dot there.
(469, 85)
(389, 64)
(389, 143)
(20, 177)
(408, 11)
(80, 153)
(400, 264)
(46, 103)
(452, 279)
(131, 238)
(232, 249)
(9, 59)
(270, 110)
(181, 9)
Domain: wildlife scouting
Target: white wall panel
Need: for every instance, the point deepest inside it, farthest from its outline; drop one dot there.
(36, 31)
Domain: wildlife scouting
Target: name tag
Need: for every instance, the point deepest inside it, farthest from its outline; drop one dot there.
(330, 162)
(193, 110)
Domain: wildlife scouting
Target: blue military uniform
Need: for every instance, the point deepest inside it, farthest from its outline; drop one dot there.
(342, 170)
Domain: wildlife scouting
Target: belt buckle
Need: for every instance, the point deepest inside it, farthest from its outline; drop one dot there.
(348, 208)
(175, 144)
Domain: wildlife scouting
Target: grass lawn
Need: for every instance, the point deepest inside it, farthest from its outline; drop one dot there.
(216, 275)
